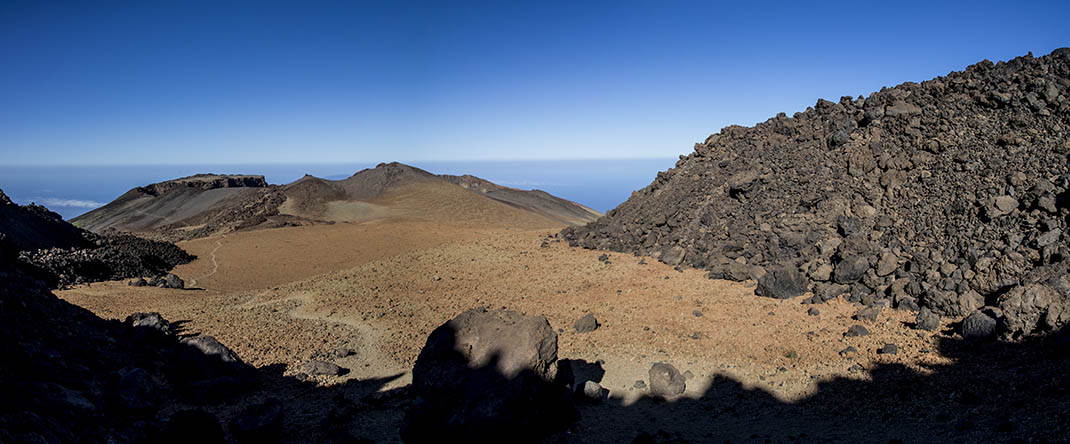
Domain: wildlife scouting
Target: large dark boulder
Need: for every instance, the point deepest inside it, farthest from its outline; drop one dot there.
(666, 381)
(1033, 308)
(485, 375)
(208, 371)
(782, 283)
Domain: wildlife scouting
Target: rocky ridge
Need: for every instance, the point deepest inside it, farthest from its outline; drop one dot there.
(951, 194)
(62, 254)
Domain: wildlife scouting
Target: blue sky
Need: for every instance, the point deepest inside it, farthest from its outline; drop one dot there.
(160, 82)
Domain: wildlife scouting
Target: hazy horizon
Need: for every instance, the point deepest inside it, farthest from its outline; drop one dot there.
(72, 190)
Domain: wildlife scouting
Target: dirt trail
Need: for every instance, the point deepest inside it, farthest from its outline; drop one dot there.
(212, 259)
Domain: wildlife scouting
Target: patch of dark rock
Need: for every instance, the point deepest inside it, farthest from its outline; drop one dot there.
(259, 423)
(666, 381)
(888, 349)
(321, 368)
(856, 330)
(586, 324)
(192, 426)
(978, 325)
(487, 374)
(959, 185)
(927, 320)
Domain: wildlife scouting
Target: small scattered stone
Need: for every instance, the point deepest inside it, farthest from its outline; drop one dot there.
(586, 324)
(698, 314)
(869, 313)
(857, 330)
(639, 385)
(603, 258)
(813, 311)
(888, 349)
(594, 392)
(320, 368)
(849, 350)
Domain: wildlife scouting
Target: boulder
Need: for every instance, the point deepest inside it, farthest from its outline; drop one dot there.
(869, 313)
(856, 330)
(927, 320)
(149, 321)
(209, 371)
(782, 283)
(136, 389)
(172, 281)
(850, 269)
(586, 324)
(666, 381)
(320, 368)
(978, 325)
(1033, 308)
(487, 374)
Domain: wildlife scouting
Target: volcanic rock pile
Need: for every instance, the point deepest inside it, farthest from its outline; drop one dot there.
(951, 194)
(63, 254)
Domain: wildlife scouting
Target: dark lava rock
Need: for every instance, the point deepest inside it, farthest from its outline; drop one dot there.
(192, 426)
(850, 269)
(259, 423)
(888, 349)
(151, 321)
(603, 258)
(586, 324)
(813, 311)
(978, 325)
(139, 282)
(869, 313)
(666, 381)
(856, 330)
(594, 392)
(136, 389)
(959, 184)
(927, 320)
(320, 368)
(172, 281)
(1037, 307)
(487, 374)
(782, 283)
(209, 371)
(849, 350)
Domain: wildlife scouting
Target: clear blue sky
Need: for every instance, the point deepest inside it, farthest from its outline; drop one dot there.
(197, 82)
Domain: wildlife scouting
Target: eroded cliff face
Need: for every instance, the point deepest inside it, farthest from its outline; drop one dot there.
(205, 182)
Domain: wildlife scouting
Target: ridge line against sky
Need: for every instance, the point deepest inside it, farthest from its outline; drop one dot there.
(274, 82)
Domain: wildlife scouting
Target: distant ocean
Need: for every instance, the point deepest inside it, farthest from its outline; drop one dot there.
(601, 184)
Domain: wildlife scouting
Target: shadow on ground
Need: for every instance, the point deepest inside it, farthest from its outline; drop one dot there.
(994, 392)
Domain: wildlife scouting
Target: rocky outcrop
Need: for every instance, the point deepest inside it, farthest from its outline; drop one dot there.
(485, 375)
(205, 182)
(942, 194)
(63, 254)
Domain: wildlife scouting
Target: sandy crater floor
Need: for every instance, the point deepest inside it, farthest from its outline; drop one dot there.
(287, 295)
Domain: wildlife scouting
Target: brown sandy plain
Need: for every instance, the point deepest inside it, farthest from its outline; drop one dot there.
(280, 297)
